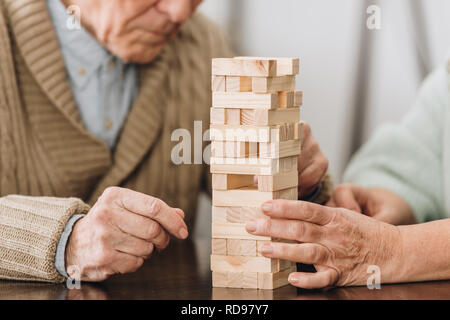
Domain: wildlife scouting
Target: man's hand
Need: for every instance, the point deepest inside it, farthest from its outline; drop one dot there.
(378, 203)
(312, 164)
(119, 232)
(340, 243)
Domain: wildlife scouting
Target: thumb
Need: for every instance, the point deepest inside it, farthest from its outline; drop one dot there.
(345, 197)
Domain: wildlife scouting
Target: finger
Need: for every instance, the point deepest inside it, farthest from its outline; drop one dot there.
(306, 132)
(300, 210)
(153, 208)
(311, 176)
(180, 212)
(285, 229)
(134, 246)
(344, 197)
(331, 203)
(308, 253)
(141, 227)
(321, 279)
(126, 263)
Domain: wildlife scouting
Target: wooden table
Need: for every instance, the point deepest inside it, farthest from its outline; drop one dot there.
(182, 272)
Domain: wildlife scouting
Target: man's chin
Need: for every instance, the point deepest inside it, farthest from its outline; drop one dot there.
(144, 57)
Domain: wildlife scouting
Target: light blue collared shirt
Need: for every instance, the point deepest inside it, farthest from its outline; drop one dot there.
(104, 87)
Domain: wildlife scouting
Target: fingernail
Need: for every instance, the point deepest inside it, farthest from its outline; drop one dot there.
(292, 278)
(251, 226)
(267, 249)
(183, 233)
(180, 211)
(267, 206)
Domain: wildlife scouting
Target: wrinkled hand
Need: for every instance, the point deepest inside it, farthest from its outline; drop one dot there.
(312, 164)
(119, 232)
(378, 203)
(340, 243)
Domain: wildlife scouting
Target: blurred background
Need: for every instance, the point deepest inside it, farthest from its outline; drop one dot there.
(353, 78)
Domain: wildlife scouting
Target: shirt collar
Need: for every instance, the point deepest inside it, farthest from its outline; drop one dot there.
(83, 55)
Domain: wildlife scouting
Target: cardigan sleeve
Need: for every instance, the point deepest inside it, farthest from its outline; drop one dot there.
(30, 228)
(406, 158)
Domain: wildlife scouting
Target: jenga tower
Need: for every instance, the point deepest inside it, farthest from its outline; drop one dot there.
(255, 133)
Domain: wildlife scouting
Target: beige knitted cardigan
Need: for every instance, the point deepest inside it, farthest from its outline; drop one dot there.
(46, 151)
(51, 167)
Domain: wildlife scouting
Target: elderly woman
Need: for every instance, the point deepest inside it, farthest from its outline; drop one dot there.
(401, 176)
(86, 116)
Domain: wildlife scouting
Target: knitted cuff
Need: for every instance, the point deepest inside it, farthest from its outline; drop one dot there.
(30, 228)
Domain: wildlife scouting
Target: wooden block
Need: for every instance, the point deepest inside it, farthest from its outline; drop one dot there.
(285, 66)
(251, 165)
(270, 117)
(231, 181)
(274, 280)
(290, 131)
(219, 214)
(239, 294)
(273, 84)
(280, 149)
(217, 116)
(286, 99)
(243, 280)
(245, 100)
(234, 231)
(239, 84)
(243, 214)
(249, 197)
(234, 149)
(285, 264)
(298, 98)
(298, 131)
(282, 132)
(278, 181)
(220, 279)
(243, 264)
(288, 164)
(237, 67)
(219, 246)
(218, 83)
(238, 247)
(233, 116)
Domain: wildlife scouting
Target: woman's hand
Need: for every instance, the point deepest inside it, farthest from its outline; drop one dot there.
(340, 243)
(312, 163)
(378, 203)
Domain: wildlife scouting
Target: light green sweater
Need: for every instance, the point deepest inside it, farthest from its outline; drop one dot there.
(412, 158)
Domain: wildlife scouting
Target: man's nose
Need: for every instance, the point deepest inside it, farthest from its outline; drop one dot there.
(177, 10)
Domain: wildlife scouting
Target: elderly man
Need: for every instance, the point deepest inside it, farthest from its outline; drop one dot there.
(86, 119)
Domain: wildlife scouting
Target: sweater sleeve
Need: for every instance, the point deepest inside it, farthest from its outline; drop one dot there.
(407, 158)
(30, 228)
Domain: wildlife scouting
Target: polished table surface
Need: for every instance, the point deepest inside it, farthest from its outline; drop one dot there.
(182, 272)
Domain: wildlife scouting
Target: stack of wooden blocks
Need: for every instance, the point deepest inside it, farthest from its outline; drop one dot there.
(255, 132)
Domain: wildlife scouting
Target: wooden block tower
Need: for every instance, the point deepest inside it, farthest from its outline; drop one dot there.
(255, 133)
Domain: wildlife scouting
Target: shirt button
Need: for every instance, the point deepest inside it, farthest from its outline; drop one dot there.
(82, 71)
(111, 63)
(108, 123)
